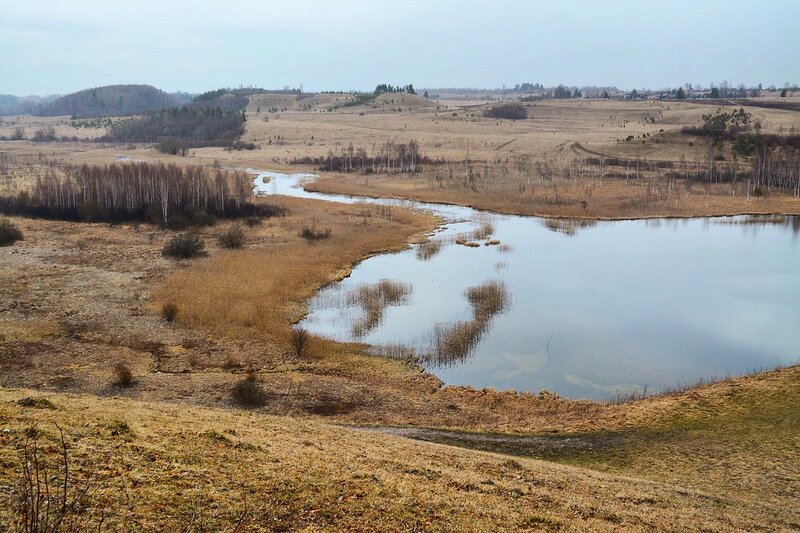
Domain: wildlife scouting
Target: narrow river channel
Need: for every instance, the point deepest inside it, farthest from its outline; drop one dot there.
(587, 309)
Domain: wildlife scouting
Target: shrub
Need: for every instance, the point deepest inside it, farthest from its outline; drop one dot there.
(231, 363)
(184, 246)
(233, 238)
(178, 222)
(124, 374)
(299, 340)
(248, 392)
(510, 110)
(9, 233)
(311, 235)
(169, 311)
(36, 402)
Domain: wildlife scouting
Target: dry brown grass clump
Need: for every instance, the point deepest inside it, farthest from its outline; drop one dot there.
(428, 249)
(300, 341)
(169, 312)
(488, 299)
(124, 374)
(374, 299)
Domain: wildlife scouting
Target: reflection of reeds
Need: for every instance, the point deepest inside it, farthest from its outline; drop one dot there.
(792, 222)
(568, 226)
(374, 299)
(455, 342)
(428, 249)
(396, 351)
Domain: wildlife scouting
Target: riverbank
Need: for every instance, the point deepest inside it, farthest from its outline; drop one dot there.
(601, 199)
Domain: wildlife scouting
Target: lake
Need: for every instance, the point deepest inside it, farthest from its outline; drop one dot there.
(590, 309)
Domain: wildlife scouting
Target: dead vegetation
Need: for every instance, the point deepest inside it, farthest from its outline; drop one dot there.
(454, 343)
(200, 466)
(428, 249)
(374, 299)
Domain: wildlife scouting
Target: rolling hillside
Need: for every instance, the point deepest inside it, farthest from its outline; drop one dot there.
(111, 100)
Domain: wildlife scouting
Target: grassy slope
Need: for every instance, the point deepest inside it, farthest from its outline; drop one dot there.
(164, 466)
(739, 438)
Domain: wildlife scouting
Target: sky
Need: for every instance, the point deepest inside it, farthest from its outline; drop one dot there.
(60, 46)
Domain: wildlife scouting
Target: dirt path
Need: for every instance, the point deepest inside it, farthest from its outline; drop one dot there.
(540, 446)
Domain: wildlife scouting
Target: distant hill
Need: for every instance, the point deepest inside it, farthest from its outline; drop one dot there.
(113, 100)
(23, 105)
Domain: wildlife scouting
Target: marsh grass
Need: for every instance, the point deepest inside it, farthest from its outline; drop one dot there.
(485, 231)
(374, 299)
(428, 249)
(259, 292)
(488, 299)
(455, 342)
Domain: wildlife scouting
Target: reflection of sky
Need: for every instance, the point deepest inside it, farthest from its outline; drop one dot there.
(618, 305)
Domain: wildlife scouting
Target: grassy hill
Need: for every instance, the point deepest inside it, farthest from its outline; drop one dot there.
(111, 100)
(178, 467)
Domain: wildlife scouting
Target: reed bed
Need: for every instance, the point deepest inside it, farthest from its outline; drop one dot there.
(455, 342)
(374, 299)
(428, 249)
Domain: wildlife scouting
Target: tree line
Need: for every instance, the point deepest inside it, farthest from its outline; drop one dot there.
(151, 192)
(390, 157)
(176, 130)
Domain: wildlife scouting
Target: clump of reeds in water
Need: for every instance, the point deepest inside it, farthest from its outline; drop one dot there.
(428, 249)
(483, 232)
(374, 299)
(488, 299)
(455, 342)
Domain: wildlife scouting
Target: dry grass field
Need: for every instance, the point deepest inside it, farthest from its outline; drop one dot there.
(166, 467)
(79, 299)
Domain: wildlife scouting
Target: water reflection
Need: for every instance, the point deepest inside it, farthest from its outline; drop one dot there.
(599, 308)
(567, 226)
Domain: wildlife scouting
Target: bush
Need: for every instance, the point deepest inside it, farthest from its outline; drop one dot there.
(9, 233)
(299, 341)
(511, 111)
(169, 312)
(311, 235)
(124, 374)
(233, 238)
(248, 393)
(184, 246)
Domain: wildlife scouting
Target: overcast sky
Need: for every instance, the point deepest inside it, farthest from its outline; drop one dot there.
(59, 46)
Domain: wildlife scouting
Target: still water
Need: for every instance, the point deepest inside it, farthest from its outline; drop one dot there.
(594, 308)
